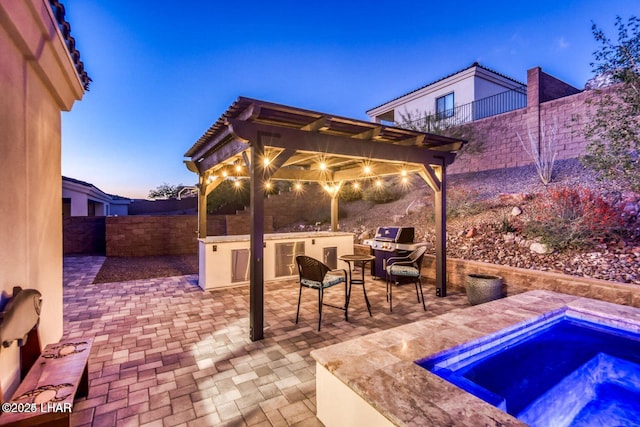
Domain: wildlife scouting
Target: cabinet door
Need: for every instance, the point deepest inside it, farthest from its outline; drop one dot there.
(330, 257)
(239, 265)
(286, 254)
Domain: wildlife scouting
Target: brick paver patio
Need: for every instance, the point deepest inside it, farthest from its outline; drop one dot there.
(166, 353)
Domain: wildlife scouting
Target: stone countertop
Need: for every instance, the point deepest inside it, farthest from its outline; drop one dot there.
(275, 236)
(380, 367)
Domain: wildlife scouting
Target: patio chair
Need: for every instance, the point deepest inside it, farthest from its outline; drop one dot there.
(407, 266)
(316, 275)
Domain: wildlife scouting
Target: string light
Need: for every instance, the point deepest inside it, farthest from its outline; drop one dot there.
(237, 184)
(367, 169)
(378, 183)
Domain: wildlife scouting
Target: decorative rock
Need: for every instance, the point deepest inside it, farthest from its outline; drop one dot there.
(509, 238)
(364, 236)
(516, 211)
(471, 233)
(540, 248)
(397, 218)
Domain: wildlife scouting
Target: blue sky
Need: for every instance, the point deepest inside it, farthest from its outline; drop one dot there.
(164, 71)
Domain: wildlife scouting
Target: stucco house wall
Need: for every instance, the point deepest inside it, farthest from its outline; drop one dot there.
(81, 194)
(38, 80)
(468, 85)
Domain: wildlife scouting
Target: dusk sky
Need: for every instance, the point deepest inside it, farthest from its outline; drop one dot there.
(164, 71)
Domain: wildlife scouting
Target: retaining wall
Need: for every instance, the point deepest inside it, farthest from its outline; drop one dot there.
(518, 280)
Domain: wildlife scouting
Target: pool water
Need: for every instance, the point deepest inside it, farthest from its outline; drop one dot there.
(562, 371)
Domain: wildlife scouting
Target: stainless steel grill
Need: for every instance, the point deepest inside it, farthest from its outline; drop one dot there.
(389, 242)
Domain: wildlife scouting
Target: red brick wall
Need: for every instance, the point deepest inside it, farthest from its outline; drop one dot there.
(498, 135)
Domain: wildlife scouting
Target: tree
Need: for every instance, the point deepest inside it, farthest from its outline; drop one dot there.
(613, 131)
(165, 191)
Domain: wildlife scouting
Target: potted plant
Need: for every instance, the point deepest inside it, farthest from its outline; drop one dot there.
(483, 288)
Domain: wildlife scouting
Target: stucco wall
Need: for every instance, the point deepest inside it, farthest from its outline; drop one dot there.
(37, 81)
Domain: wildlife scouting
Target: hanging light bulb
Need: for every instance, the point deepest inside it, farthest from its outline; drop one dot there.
(378, 183)
(355, 185)
(367, 169)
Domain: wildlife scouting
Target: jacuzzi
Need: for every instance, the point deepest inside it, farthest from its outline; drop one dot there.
(374, 380)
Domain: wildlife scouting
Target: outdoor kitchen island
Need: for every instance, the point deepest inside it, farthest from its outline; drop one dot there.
(224, 260)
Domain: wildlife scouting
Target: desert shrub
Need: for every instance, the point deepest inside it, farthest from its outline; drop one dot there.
(350, 194)
(572, 217)
(506, 224)
(462, 202)
(226, 198)
(384, 193)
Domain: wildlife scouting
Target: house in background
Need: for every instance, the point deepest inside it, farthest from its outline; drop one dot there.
(470, 94)
(81, 198)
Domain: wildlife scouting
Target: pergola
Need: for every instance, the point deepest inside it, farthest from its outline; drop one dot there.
(262, 141)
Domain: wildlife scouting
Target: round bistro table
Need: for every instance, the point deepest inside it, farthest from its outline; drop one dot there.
(354, 260)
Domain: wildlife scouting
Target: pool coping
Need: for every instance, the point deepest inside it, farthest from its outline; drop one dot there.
(380, 368)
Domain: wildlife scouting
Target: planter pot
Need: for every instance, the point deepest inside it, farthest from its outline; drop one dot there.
(483, 288)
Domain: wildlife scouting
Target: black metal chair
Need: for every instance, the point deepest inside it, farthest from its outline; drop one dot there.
(407, 266)
(316, 275)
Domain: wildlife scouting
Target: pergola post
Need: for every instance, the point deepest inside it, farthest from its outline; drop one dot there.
(334, 212)
(335, 197)
(441, 234)
(202, 209)
(256, 263)
(204, 188)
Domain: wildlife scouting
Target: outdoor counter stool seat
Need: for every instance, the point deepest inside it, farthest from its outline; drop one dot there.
(316, 275)
(407, 266)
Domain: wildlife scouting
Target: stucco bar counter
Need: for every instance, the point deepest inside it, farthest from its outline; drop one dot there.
(224, 260)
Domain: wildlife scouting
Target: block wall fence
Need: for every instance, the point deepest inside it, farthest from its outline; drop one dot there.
(499, 136)
(146, 235)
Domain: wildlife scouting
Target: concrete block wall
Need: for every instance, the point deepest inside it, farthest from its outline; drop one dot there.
(519, 280)
(500, 136)
(83, 235)
(144, 235)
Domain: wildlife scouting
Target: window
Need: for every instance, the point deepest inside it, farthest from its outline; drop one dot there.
(444, 106)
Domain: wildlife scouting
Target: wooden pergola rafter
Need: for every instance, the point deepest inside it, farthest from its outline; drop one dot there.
(262, 141)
